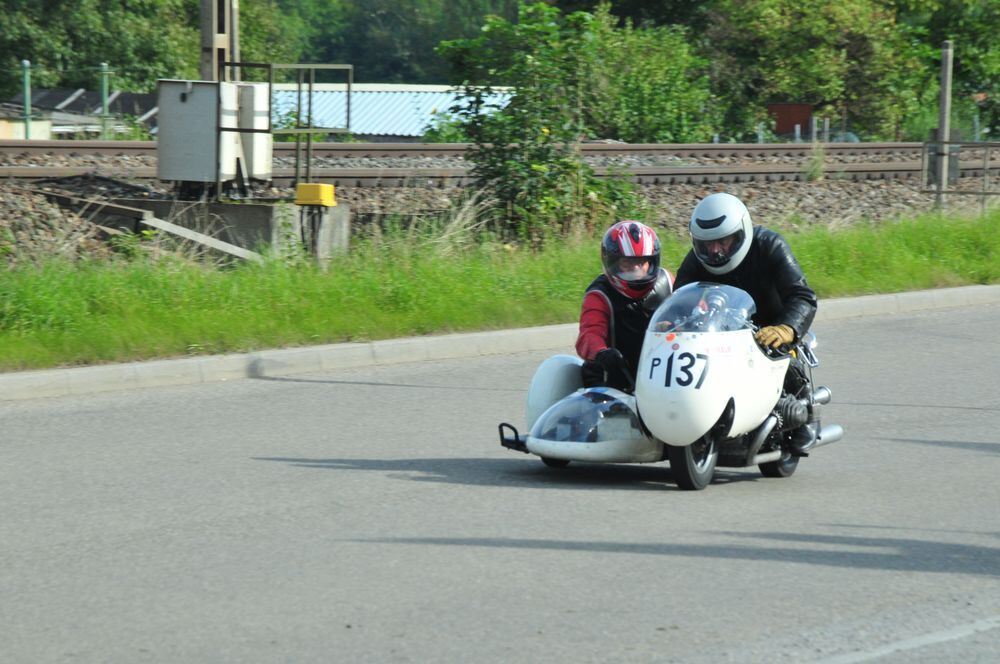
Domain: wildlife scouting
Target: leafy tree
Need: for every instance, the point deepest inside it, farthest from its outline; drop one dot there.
(268, 33)
(642, 85)
(849, 59)
(640, 70)
(693, 15)
(625, 83)
(141, 40)
(972, 25)
(320, 22)
(389, 41)
(525, 153)
(444, 128)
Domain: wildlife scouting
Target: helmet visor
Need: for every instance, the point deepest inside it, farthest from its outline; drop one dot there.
(634, 270)
(719, 251)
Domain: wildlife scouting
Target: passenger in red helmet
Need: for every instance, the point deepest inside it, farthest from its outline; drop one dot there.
(618, 304)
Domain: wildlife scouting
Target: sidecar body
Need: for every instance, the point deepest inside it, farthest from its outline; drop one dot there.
(571, 423)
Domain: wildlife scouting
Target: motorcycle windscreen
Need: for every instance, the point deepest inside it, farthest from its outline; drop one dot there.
(588, 416)
(704, 307)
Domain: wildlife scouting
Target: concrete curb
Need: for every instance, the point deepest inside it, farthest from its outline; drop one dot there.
(315, 359)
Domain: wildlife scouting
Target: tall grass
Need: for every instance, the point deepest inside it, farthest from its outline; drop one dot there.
(408, 282)
(927, 252)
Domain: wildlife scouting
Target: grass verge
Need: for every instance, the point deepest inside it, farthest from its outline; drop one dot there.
(62, 314)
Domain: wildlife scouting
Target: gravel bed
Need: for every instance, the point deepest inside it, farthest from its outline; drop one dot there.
(320, 161)
(121, 162)
(124, 162)
(787, 206)
(34, 226)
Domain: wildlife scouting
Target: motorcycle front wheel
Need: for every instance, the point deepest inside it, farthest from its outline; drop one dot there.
(694, 465)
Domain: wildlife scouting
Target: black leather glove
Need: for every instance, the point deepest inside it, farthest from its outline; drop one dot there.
(611, 359)
(615, 368)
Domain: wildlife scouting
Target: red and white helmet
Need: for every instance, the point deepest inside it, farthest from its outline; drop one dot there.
(630, 252)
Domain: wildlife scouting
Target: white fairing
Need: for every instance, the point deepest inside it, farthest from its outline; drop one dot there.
(555, 378)
(593, 424)
(696, 357)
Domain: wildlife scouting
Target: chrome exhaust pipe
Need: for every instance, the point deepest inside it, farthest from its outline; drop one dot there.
(831, 433)
(763, 431)
(822, 395)
(766, 457)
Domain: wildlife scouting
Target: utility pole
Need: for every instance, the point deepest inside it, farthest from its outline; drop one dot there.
(105, 74)
(220, 40)
(944, 126)
(234, 36)
(26, 81)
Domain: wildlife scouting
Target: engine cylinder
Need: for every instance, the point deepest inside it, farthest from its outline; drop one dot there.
(822, 395)
(793, 412)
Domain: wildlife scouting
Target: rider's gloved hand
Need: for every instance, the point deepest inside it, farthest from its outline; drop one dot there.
(775, 335)
(611, 359)
(615, 367)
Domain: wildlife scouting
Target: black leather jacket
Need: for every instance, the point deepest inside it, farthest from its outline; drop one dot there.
(772, 277)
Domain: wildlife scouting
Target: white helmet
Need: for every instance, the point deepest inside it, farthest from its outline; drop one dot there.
(721, 232)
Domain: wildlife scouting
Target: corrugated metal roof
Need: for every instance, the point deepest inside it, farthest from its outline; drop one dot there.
(377, 109)
(84, 101)
(373, 112)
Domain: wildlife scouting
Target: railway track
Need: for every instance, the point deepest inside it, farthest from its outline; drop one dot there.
(457, 150)
(445, 177)
(712, 163)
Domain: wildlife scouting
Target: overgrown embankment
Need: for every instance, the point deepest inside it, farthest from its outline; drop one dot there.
(407, 283)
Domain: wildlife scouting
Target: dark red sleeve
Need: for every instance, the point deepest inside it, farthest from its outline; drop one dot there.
(595, 319)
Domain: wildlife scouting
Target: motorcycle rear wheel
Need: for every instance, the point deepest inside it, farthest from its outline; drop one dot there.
(555, 463)
(783, 467)
(693, 466)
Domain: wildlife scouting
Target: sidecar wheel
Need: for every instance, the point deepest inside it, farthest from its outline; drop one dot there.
(783, 467)
(694, 465)
(555, 463)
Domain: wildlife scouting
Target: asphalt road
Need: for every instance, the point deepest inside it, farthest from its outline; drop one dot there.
(370, 515)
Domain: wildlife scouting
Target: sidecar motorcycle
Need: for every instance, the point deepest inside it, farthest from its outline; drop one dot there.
(706, 395)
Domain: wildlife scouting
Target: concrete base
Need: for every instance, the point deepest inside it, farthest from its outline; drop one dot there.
(254, 226)
(327, 230)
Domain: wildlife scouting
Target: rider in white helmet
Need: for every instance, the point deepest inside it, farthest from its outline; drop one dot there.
(728, 249)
